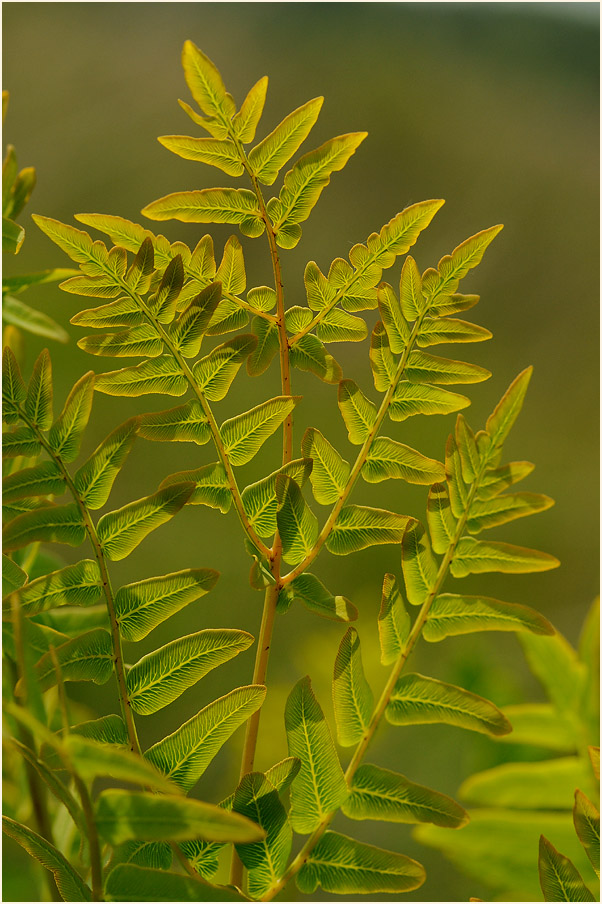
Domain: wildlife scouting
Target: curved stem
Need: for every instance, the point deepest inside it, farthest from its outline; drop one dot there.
(118, 664)
(379, 710)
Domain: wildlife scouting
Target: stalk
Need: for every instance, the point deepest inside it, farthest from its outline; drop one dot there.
(379, 710)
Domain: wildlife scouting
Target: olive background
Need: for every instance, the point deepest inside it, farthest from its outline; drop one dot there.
(493, 107)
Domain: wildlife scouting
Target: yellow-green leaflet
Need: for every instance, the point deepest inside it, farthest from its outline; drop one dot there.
(270, 155)
(393, 621)
(129, 882)
(559, 878)
(73, 585)
(163, 675)
(352, 696)
(319, 786)
(451, 614)
(343, 866)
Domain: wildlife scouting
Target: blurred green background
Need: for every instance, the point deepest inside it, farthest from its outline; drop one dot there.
(493, 107)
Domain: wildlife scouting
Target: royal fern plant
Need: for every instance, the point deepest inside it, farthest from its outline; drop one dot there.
(171, 306)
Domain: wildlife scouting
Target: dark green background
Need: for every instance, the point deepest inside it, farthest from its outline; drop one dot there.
(490, 106)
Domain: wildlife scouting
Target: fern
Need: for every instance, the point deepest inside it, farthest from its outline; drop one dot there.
(165, 303)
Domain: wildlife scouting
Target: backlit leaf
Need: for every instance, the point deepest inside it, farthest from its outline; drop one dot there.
(505, 508)
(159, 375)
(319, 788)
(21, 315)
(257, 799)
(92, 759)
(184, 755)
(205, 83)
(140, 341)
(222, 154)
(410, 290)
(384, 365)
(246, 120)
(381, 794)
(297, 524)
(452, 268)
(330, 471)
(339, 326)
(214, 373)
(129, 882)
(211, 486)
(417, 699)
(210, 205)
(44, 479)
(38, 402)
(121, 531)
(78, 585)
(559, 878)
(65, 434)
(439, 330)
(423, 367)
(393, 621)
(547, 785)
(393, 319)
(451, 614)
(359, 413)
(317, 598)
(163, 675)
(388, 458)
(420, 398)
(51, 524)
(245, 434)
(476, 557)
(587, 825)
(360, 526)
(185, 423)
(343, 866)
(13, 387)
(88, 657)
(140, 607)
(270, 155)
(508, 408)
(260, 499)
(94, 479)
(308, 353)
(419, 565)
(441, 521)
(352, 696)
(267, 346)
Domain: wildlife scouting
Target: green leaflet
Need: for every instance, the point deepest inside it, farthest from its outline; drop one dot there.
(247, 119)
(304, 183)
(507, 410)
(452, 268)
(352, 696)
(72, 620)
(417, 699)
(388, 458)
(546, 785)
(559, 878)
(13, 387)
(157, 855)
(106, 730)
(260, 499)
(339, 326)
(38, 401)
(441, 522)
(94, 479)
(359, 413)
(270, 155)
(73, 585)
(258, 800)
(44, 479)
(121, 531)
(210, 205)
(262, 298)
(21, 315)
(92, 759)
(393, 621)
(411, 299)
(297, 524)
(69, 883)
(185, 423)
(205, 83)
(587, 825)
(423, 367)
(319, 788)
(419, 398)
(497, 479)
(476, 557)
(139, 274)
(556, 665)
(184, 755)
(51, 524)
(214, 373)
(392, 318)
(381, 794)
(360, 526)
(594, 755)
(138, 342)
(222, 154)
(231, 271)
(467, 449)
(88, 657)
(450, 615)
(315, 597)
(122, 312)
(384, 365)
(129, 882)
(457, 489)
(92, 286)
(419, 565)
(140, 607)
(65, 434)
(163, 675)
(444, 305)
(267, 346)
(245, 434)
(330, 471)
(21, 441)
(13, 236)
(164, 301)
(159, 375)
(13, 577)
(77, 244)
(309, 354)
(438, 331)
(211, 486)
(126, 815)
(343, 866)
(502, 509)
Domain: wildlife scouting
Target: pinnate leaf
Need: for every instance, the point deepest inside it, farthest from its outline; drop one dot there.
(388, 458)
(451, 614)
(419, 564)
(269, 156)
(352, 696)
(360, 526)
(476, 557)
(260, 499)
(215, 373)
(330, 471)
(94, 479)
(38, 402)
(244, 434)
(393, 621)
(159, 375)
(359, 413)
(247, 119)
(222, 154)
(185, 423)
